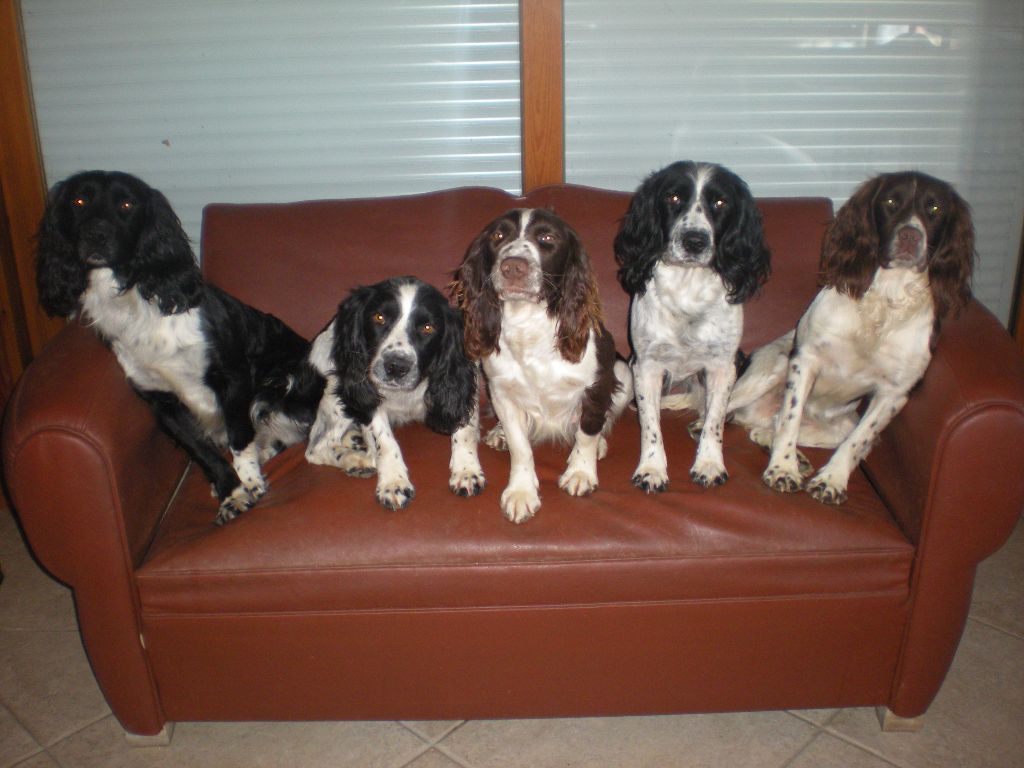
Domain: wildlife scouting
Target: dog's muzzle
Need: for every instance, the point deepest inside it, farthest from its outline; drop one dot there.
(397, 370)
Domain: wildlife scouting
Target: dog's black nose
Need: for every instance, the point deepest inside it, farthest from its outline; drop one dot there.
(397, 366)
(695, 241)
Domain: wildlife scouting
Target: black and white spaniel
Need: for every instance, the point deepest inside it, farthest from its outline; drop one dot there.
(895, 262)
(394, 354)
(690, 252)
(534, 320)
(216, 372)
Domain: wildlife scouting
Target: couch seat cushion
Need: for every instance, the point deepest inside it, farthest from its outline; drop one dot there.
(318, 541)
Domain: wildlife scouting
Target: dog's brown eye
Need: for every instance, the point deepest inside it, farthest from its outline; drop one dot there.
(426, 329)
(934, 209)
(497, 236)
(379, 318)
(719, 204)
(547, 238)
(674, 200)
(80, 202)
(891, 203)
(126, 205)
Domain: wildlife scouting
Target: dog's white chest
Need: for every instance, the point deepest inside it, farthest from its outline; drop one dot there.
(684, 321)
(531, 372)
(163, 353)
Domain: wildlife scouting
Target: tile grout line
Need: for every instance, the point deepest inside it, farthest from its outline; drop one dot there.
(800, 750)
(865, 748)
(996, 627)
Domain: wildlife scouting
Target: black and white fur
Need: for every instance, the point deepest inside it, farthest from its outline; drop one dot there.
(895, 262)
(394, 354)
(690, 251)
(217, 373)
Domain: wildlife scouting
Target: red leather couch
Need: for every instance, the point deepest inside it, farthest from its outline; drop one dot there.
(319, 604)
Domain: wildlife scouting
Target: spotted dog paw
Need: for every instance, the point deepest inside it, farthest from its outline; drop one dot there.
(356, 463)
(495, 438)
(826, 491)
(577, 482)
(650, 479)
(395, 494)
(782, 479)
(519, 504)
(240, 500)
(468, 481)
(708, 473)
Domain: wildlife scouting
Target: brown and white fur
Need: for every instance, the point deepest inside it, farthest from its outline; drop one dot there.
(533, 319)
(895, 262)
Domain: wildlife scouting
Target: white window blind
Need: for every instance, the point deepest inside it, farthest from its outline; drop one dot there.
(805, 97)
(250, 100)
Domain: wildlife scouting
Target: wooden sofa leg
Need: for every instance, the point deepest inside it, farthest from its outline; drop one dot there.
(160, 739)
(893, 723)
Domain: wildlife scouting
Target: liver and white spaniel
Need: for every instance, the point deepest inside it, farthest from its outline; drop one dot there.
(533, 319)
(690, 252)
(895, 262)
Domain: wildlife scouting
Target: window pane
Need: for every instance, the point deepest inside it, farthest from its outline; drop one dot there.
(237, 101)
(808, 98)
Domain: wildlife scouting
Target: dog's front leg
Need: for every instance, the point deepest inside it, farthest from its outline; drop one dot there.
(234, 398)
(829, 485)
(709, 466)
(335, 440)
(467, 476)
(521, 499)
(580, 476)
(394, 490)
(783, 472)
(651, 475)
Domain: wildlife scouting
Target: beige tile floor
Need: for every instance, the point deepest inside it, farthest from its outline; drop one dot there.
(52, 713)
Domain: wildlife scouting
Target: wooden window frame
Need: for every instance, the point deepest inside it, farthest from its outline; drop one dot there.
(542, 80)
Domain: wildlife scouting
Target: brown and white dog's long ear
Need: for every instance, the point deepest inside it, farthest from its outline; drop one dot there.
(851, 249)
(951, 263)
(575, 302)
(475, 296)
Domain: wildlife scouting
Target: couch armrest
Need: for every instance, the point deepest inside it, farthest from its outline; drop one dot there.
(949, 463)
(89, 475)
(948, 467)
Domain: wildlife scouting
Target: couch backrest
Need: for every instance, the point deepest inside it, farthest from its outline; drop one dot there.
(299, 260)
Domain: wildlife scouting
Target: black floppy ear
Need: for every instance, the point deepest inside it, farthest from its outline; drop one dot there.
(742, 258)
(641, 239)
(164, 267)
(351, 358)
(451, 379)
(61, 277)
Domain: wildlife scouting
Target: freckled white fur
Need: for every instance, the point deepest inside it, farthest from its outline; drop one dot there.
(846, 350)
(680, 326)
